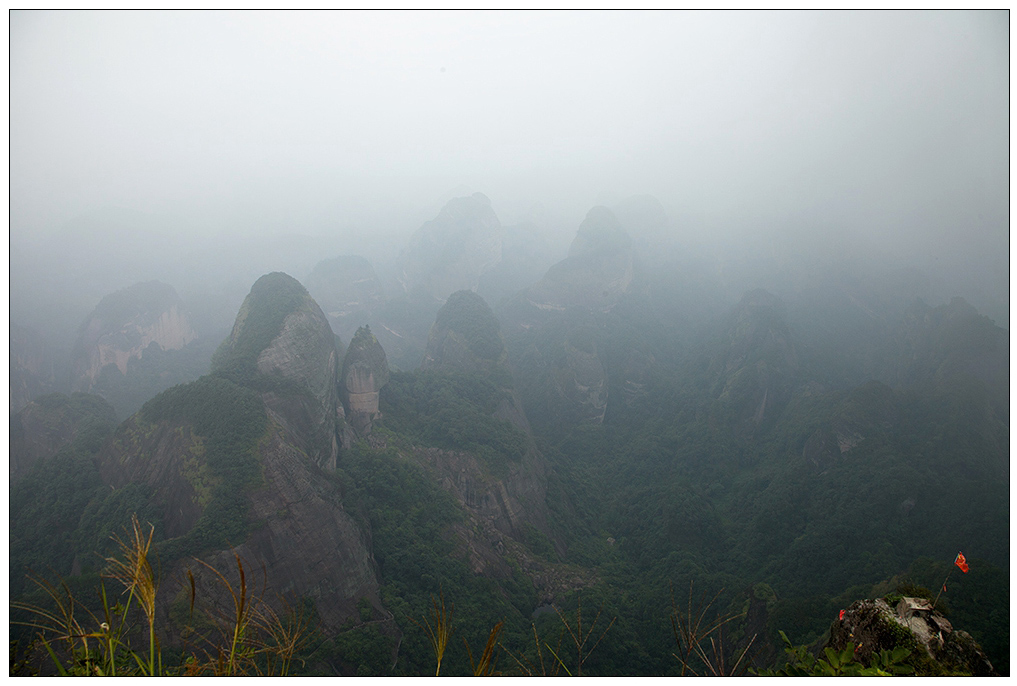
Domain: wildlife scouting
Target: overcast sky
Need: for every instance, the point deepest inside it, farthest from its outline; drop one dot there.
(890, 126)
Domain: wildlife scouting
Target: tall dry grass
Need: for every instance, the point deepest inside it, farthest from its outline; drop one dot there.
(700, 641)
(253, 638)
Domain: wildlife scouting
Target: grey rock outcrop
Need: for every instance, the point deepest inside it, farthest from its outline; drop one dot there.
(309, 545)
(303, 544)
(365, 371)
(873, 626)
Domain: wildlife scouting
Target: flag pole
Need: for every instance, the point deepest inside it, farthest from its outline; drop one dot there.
(941, 588)
(961, 563)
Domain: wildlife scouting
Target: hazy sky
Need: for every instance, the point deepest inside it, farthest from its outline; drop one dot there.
(890, 126)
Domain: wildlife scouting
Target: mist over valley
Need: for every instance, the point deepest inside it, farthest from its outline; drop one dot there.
(540, 315)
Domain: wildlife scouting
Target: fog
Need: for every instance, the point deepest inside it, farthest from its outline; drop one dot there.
(167, 145)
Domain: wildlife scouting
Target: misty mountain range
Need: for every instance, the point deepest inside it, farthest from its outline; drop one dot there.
(530, 321)
(740, 425)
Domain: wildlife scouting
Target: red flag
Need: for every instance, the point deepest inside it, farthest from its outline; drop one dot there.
(841, 614)
(944, 588)
(961, 562)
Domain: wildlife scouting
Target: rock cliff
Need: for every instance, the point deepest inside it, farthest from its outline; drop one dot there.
(33, 367)
(755, 364)
(122, 327)
(242, 460)
(299, 540)
(282, 345)
(502, 504)
(365, 371)
(137, 342)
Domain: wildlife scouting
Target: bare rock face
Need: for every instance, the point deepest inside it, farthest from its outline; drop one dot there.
(873, 626)
(580, 380)
(365, 371)
(454, 250)
(756, 363)
(305, 546)
(301, 542)
(282, 345)
(122, 327)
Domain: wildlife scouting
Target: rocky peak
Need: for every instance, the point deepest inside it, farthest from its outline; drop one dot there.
(283, 346)
(228, 471)
(600, 232)
(365, 371)
(873, 626)
(452, 251)
(123, 325)
(599, 268)
(465, 337)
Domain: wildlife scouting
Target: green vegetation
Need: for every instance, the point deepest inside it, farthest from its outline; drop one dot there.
(272, 298)
(78, 640)
(836, 491)
(62, 514)
(467, 314)
(843, 489)
(230, 420)
(802, 663)
(45, 510)
(155, 371)
(412, 523)
(49, 501)
(452, 411)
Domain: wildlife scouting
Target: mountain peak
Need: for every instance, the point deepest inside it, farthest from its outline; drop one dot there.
(452, 251)
(600, 232)
(466, 337)
(365, 371)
